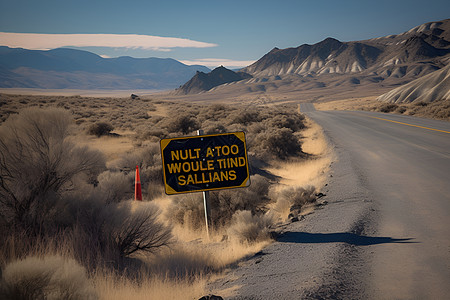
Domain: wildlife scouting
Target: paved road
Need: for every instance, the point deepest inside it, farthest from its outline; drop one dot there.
(403, 163)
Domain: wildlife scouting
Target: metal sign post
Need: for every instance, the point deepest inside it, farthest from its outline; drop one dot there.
(206, 201)
(204, 163)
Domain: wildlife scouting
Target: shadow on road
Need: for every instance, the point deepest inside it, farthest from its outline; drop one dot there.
(341, 237)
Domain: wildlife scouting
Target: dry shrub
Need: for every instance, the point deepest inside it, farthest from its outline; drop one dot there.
(421, 103)
(250, 228)
(183, 123)
(50, 277)
(187, 210)
(183, 262)
(155, 190)
(401, 109)
(292, 199)
(137, 228)
(293, 121)
(276, 143)
(210, 127)
(148, 158)
(108, 234)
(226, 202)
(387, 107)
(100, 129)
(116, 186)
(247, 117)
(113, 286)
(214, 113)
(38, 163)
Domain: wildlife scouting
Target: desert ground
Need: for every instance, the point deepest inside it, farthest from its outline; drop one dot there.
(307, 190)
(183, 260)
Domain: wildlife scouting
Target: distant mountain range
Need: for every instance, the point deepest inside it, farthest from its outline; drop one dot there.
(372, 66)
(76, 69)
(326, 70)
(419, 51)
(202, 82)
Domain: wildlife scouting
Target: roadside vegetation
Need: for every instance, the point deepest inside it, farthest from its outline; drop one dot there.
(69, 228)
(438, 109)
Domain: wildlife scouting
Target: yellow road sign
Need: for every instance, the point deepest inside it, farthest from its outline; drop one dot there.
(205, 163)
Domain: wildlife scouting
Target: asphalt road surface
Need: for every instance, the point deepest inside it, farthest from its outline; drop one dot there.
(403, 164)
(385, 232)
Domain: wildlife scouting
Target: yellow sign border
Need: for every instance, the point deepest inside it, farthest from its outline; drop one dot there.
(170, 191)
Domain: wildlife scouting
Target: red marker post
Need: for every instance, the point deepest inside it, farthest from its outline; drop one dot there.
(137, 186)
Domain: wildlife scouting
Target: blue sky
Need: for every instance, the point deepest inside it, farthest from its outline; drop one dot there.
(232, 33)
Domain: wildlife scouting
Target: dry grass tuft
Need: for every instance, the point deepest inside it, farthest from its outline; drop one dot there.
(50, 277)
(111, 286)
(249, 228)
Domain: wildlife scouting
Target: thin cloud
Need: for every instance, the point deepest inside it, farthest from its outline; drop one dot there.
(215, 62)
(41, 41)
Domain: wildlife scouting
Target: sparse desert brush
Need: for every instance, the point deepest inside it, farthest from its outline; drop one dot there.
(184, 124)
(210, 127)
(438, 109)
(401, 109)
(420, 103)
(152, 134)
(226, 202)
(113, 286)
(185, 262)
(148, 158)
(387, 107)
(187, 210)
(291, 199)
(115, 186)
(99, 129)
(290, 120)
(50, 277)
(276, 143)
(46, 192)
(38, 164)
(96, 224)
(145, 156)
(250, 228)
(247, 117)
(109, 234)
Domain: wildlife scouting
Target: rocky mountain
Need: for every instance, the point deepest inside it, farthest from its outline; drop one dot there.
(434, 86)
(76, 69)
(202, 82)
(332, 69)
(419, 51)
